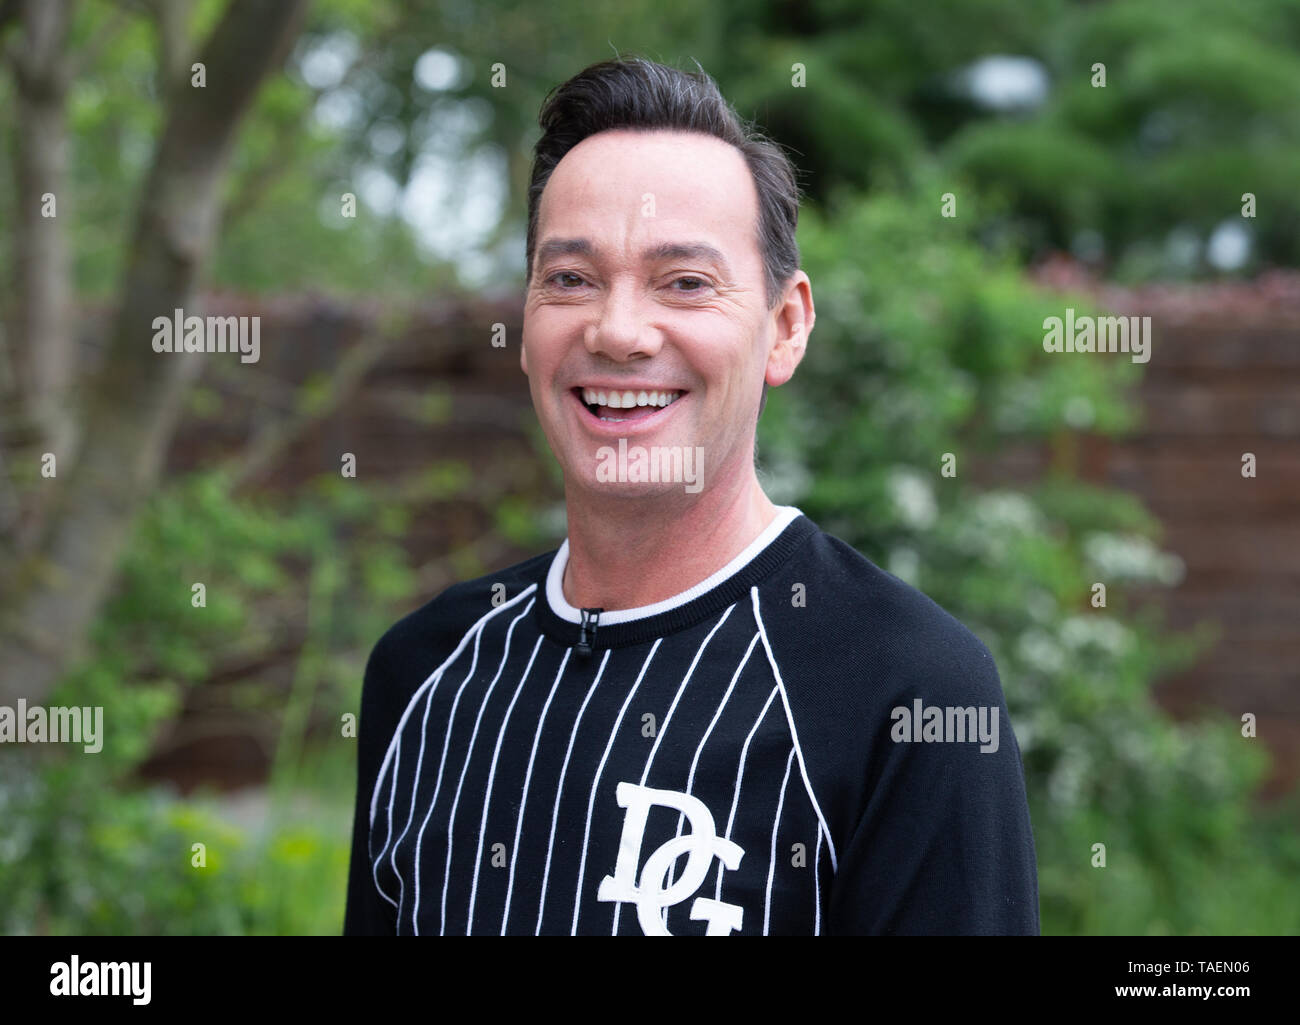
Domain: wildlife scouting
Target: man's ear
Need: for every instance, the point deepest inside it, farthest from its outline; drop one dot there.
(794, 322)
(523, 358)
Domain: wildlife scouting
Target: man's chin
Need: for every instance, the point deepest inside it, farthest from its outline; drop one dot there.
(644, 491)
(623, 469)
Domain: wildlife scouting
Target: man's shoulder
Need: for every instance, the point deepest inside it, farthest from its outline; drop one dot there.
(832, 608)
(851, 646)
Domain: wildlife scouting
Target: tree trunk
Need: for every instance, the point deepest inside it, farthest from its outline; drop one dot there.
(132, 403)
(43, 287)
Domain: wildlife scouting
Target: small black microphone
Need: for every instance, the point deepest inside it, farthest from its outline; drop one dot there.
(590, 620)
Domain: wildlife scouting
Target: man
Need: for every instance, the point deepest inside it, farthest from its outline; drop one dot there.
(702, 715)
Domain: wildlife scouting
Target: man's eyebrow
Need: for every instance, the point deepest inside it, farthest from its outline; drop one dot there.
(564, 247)
(688, 251)
(663, 251)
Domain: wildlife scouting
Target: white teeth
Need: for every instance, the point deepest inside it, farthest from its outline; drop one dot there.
(627, 399)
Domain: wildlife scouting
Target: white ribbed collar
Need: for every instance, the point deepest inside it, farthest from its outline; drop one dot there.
(785, 514)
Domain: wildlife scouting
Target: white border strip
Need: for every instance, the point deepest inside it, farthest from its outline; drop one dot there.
(785, 515)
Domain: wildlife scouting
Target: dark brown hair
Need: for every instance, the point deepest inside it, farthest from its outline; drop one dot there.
(632, 92)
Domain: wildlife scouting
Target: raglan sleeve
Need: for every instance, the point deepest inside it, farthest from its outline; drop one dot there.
(367, 912)
(944, 843)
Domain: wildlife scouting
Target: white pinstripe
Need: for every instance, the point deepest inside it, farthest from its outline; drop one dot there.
(680, 691)
(595, 783)
(523, 796)
(771, 868)
(817, 885)
(695, 761)
(559, 789)
(492, 774)
(740, 775)
(794, 734)
(375, 859)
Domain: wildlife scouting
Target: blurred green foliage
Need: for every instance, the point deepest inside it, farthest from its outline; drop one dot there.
(1197, 107)
(85, 848)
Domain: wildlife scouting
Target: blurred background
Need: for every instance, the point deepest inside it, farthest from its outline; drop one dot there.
(353, 172)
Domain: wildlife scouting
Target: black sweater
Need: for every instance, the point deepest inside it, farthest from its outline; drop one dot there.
(793, 746)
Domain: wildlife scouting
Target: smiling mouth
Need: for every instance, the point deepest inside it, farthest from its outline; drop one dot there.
(621, 406)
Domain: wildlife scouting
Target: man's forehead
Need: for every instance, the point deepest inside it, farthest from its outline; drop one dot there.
(672, 189)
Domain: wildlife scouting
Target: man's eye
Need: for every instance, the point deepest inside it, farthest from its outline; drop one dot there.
(563, 274)
(700, 283)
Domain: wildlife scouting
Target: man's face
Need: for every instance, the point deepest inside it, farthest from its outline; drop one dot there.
(647, 278)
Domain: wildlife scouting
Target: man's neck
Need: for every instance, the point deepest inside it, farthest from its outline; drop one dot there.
(625, 553)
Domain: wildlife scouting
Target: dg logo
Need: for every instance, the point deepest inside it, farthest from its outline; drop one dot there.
(701, 845)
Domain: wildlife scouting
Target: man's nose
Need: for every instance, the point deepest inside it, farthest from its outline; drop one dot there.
(622, 330)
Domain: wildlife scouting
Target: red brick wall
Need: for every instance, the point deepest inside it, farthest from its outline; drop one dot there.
(1223, 380)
